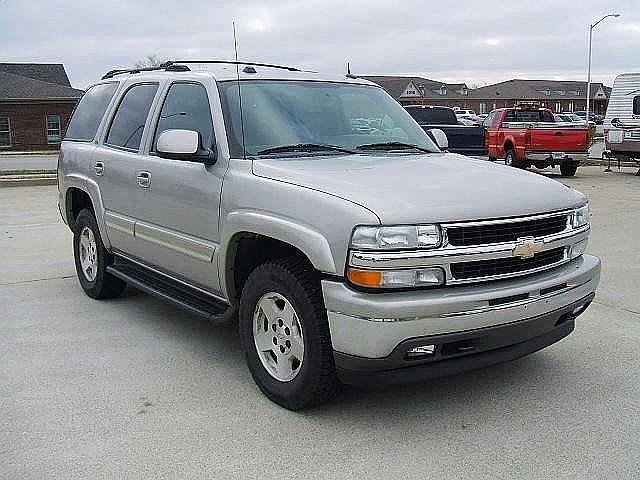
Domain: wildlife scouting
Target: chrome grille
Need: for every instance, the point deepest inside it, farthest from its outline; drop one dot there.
(507, 265)
(508, 231)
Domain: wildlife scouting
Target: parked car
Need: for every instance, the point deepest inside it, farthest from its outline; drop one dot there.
(592, 117)
(526, 136)
(464, 112)
(622, 121)
(348, 251)
(573, 118)
(462, 138)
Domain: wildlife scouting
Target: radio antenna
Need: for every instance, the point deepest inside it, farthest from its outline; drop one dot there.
(235, 48)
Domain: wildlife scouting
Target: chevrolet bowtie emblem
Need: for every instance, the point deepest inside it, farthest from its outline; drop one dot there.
(527, 247)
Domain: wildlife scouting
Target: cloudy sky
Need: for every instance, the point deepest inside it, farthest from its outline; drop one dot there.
(472, 41)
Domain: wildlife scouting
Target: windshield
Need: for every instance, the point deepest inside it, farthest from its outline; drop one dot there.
(278, 113)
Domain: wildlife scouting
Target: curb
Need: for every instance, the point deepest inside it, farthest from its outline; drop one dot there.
(27, 180)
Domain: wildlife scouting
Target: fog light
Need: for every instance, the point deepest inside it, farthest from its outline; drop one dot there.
(580, 309)
(421, 351)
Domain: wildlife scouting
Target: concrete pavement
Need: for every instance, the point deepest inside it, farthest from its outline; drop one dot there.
(135, 388)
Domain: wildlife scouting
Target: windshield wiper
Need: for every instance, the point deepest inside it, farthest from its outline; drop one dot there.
(392, 146)
(304, 147)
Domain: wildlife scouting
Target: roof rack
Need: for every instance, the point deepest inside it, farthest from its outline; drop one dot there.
(234, 62)
(177, 66)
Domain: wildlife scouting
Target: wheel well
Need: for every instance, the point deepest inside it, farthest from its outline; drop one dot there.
(508, 145)
(246, 252)
(76, 200)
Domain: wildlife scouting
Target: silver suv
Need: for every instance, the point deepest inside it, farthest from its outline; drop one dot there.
(348, 245)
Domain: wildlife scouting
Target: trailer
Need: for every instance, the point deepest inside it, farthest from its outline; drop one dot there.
(622, 120)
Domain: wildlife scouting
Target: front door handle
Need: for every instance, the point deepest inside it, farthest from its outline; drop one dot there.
(99, 168)
(144, 179)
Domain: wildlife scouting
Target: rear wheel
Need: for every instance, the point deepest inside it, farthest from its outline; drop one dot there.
(92, 259)
(511, 159)
(568, 169)
(285, 334)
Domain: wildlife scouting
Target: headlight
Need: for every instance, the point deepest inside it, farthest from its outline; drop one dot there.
(396, 237)
(580, 216)
(419, 277)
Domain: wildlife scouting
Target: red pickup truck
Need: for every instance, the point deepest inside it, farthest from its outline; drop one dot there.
(526, 136)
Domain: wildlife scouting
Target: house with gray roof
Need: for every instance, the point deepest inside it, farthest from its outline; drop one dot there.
(423, 91)
(36, 101)
(558, 95)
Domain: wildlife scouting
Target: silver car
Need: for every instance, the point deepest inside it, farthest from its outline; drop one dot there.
(349, 246)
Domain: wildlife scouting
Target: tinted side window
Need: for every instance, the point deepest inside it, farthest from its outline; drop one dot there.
(89, 112)
(433, 116)
(636, 105)
(128, 123)
(187, 108)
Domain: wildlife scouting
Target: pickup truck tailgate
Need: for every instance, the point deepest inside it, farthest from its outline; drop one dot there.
(559, 139)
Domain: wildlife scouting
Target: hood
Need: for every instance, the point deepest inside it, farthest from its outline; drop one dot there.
(438, 187)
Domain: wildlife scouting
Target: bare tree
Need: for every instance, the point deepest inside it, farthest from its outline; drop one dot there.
(149, 61)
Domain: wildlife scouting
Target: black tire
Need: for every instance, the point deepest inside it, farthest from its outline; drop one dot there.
(316, 382)
(104, 285)
(568, 169)
(511, 159)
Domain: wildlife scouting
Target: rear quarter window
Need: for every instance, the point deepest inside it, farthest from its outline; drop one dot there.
(130, 118)
(89, 112)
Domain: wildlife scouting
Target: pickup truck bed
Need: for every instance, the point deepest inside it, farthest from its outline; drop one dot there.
(463, 139)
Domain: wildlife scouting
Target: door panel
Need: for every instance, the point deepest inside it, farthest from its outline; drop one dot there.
(177, 211)
(117, 187)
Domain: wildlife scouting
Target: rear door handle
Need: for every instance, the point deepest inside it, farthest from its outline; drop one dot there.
(144, 179)
(99, 168)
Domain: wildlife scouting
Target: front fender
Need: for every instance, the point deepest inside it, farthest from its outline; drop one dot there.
(304, 237)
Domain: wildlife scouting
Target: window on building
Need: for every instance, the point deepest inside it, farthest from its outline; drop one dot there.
(636, 105)
(443, 90)
(5, 132)
(483, 107)
(89, 112)
(128, 122)
(186, 107)
(558, 107)
(571, 106)
(54, 133)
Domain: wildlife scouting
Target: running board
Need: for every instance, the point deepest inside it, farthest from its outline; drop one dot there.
(161, 286)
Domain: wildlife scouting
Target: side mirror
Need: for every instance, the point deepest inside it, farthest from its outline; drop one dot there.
(184, 145)
(440, 138)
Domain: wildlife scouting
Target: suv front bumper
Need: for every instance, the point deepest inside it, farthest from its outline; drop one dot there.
(501, 320)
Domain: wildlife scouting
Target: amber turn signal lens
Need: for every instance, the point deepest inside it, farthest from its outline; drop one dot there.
(365, 278)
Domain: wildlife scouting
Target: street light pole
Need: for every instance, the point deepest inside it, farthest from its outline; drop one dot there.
(591, 27)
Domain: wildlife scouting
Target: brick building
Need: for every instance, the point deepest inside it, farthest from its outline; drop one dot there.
(559, 96)
(36, 101)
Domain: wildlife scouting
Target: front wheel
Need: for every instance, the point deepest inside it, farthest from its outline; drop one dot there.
(92, 259)
(284, 332)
